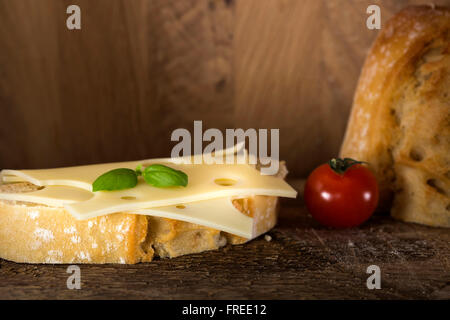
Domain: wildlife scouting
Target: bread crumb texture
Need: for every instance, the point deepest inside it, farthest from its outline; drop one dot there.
(34, 233)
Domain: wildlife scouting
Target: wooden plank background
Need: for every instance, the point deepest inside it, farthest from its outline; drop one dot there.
(139, 69)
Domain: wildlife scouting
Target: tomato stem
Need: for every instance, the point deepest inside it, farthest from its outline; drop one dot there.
(341, 165)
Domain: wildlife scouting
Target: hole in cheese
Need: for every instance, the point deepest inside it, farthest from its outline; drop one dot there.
(180, 206)
(225, 182)
(128, 198)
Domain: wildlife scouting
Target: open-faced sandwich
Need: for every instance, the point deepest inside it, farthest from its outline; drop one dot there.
(103, 214)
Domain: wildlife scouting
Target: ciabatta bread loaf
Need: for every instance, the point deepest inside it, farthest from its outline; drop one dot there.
(400, 120)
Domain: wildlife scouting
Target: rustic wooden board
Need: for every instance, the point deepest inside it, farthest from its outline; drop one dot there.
(303, 261)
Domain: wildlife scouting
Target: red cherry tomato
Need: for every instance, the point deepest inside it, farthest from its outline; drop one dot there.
(341, 194)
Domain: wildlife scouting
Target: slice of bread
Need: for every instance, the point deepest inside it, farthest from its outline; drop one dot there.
(400, 121)
(33, 233)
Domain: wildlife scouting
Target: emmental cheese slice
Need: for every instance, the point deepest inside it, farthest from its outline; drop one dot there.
(205, 182)
(52, 196)
(207, 200)
(217, 213)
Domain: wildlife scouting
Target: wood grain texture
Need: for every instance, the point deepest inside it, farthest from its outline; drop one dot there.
(115, 89)
(139, 69)
(296, 68)
(303, 261)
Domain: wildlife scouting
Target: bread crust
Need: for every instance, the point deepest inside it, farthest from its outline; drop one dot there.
(400, 120)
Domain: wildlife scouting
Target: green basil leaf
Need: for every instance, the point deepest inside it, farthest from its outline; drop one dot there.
(162, 176)
(138, 170)
(116, 179)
